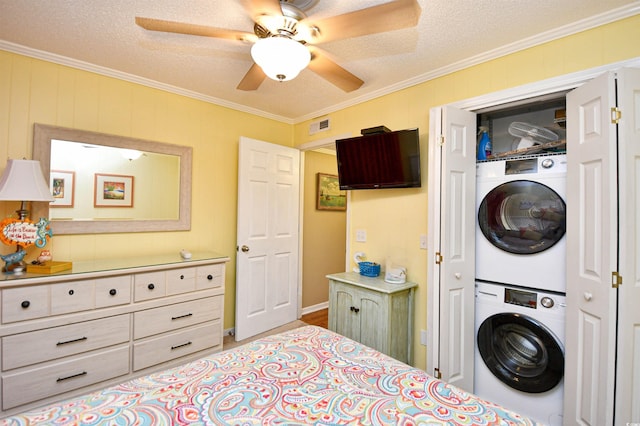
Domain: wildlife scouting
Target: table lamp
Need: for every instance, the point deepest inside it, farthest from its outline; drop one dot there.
(22, 181)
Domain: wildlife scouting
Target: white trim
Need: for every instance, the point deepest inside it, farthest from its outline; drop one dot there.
(562, 83)
(315, 308)
(567, 30)
(301, 178)
(322, 143)
(108, 72)
(573, 28)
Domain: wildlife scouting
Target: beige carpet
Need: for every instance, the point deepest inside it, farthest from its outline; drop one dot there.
(230, 342)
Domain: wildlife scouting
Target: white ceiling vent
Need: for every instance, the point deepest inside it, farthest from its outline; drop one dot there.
(319, 126)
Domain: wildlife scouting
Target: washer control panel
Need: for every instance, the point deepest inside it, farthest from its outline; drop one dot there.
(528, 299)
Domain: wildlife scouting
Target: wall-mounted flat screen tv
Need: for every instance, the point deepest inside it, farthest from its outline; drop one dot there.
(380, 160)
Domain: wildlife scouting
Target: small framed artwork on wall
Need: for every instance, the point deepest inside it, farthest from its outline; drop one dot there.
(62, 185)
(330, 197)
(113, 190)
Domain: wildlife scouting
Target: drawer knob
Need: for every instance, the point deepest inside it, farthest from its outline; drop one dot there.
(151, 286)
(113, 292)
(71, 292)
(209, 277)
(25, 304)
(182, 277)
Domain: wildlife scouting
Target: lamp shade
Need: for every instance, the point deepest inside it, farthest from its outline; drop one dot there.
(22, 180)
(281, 58)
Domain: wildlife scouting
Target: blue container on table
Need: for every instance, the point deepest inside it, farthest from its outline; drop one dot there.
(369, 269)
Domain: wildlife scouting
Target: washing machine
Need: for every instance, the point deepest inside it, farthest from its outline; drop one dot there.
(519, 355)
(521, 222)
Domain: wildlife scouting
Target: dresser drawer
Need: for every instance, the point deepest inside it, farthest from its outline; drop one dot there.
(37, 383)
(170, 346)
(172, 317)
(150, 285)
(44, 345)
(72, 296)
(181, 280)
(210, 276)
(24, 303)
(113, 291)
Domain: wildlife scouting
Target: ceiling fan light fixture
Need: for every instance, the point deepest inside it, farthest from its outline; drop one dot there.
(281, 58)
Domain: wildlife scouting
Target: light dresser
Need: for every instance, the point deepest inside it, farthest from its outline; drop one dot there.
(373, 312)
(104, 322)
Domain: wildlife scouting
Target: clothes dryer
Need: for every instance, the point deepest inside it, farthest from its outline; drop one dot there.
(521, 222)
(519, 356)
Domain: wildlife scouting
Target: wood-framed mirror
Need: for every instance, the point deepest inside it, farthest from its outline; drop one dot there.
(100, 187)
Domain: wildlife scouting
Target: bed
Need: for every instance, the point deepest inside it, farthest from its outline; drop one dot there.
(309, 375)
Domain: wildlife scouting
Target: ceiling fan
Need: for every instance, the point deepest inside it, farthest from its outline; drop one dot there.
(284, 37)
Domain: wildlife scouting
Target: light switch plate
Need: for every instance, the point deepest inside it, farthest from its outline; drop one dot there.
(361, 236)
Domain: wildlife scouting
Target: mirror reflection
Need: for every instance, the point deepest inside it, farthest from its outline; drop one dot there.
(112, 183)
(106, 183)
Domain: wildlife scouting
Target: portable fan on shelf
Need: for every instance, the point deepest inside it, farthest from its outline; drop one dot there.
(530, 135)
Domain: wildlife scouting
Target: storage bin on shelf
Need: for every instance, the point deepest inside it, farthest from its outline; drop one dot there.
(369, 269)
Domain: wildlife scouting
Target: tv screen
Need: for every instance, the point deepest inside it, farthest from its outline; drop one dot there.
(381, 160)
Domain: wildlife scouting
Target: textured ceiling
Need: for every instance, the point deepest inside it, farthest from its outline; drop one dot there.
(104, 34)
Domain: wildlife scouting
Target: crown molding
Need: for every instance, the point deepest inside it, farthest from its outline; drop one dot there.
(545, 37)
(576, 27)
(108, 72)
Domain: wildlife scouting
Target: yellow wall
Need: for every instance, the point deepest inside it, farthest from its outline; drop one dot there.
(324, 234)
(35, 91)
(394, 219)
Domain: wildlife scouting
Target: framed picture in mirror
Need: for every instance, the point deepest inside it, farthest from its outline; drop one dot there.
(62, 184)
(113, 190)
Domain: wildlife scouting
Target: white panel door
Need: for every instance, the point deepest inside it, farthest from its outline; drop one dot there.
(451, 263)
(592, 247)
(267, 237)
(628, 364)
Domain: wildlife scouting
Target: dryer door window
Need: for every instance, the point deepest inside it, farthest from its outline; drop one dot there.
(522, 217)
(521, 352)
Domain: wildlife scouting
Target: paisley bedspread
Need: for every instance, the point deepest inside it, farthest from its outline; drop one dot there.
(306, 376)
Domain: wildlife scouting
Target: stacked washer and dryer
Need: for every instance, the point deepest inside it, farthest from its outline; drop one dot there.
(520, 284)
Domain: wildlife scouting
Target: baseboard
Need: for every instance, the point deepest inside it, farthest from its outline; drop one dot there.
(314, 308)
(308, 310)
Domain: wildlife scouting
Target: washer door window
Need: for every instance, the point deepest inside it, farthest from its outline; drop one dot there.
(522, 217)
(521, 352)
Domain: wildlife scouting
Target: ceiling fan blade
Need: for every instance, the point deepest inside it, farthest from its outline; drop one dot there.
(390, 16)
(333, 72)
(252, 79)
(259, 8)
(193, 29)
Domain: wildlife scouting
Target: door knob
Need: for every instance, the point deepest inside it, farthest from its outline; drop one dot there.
(244, 249)
(588, 296)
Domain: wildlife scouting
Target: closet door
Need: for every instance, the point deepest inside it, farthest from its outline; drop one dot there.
(451, 262)
(592, 246)
(628, 364)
